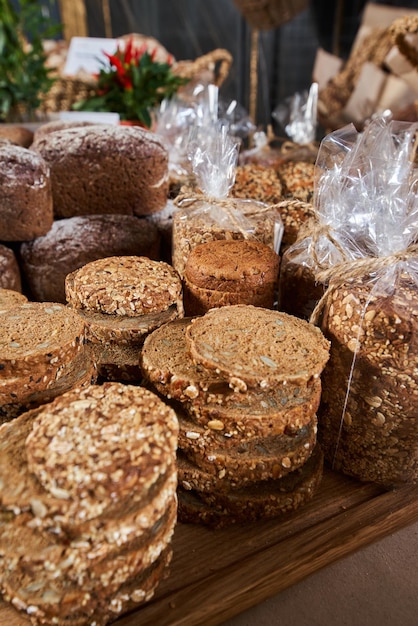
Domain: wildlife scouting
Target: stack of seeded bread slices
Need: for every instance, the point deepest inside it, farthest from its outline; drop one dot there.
(122, 299)
(43, 353)
(245, 382)
(88, 504)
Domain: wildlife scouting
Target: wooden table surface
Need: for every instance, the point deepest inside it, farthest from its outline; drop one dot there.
(217, 574)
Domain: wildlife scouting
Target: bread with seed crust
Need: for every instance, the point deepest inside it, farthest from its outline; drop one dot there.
(71, 243)
(252, 460)
(239, 504)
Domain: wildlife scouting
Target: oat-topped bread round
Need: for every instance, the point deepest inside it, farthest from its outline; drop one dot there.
(105, 169)
(10, 298)
(73, 242)
(127, 286)
(128, 441)
(10, 277)
(26, 197)
(36, 336)
(252, 346)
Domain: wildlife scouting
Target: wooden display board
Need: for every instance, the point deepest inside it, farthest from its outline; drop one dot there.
(217, 574)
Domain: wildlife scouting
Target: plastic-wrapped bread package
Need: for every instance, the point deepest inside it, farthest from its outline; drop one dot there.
(336, 234)
(210, 214)
(368, 418)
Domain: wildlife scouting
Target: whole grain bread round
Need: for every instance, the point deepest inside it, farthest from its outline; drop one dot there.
(38, 336)
(105, 169)
(256, 347)
(76, 241)
(166, 364)
(257, 413)
(197, 300)
(122, 449)
(26, 208)
(240, 504)
(232, 265)
(258, 458)
(10, 277)
(110, 330)
(124, 285)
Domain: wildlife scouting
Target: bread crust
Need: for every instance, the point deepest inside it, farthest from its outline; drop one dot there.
(105, 169)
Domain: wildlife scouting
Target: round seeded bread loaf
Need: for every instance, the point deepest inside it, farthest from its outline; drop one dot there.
(105, 169)
(252, 460)
(73, 242)
(125, 285)
(26, 197)
(222, 272)
(252, 346)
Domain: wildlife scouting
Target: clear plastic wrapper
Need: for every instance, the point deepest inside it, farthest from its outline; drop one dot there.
(209, 213)
(368, 419)
(298, 116)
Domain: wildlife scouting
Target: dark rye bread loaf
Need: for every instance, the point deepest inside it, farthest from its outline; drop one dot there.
(271, 498)
(26, 197)
(222, 272)
(105, 169)
(76, 241)
(255, 347)
(38, 337)
(10, 277)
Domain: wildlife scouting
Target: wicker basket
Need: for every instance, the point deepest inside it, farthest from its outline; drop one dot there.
(373, 48)
(66, 91)
(268, 14)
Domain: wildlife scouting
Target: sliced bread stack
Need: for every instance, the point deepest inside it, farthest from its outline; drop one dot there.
(88, 504)
(43, 353)
(122, 299)
(246, 385)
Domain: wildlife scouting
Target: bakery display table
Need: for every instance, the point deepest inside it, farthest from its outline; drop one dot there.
(217, 574)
